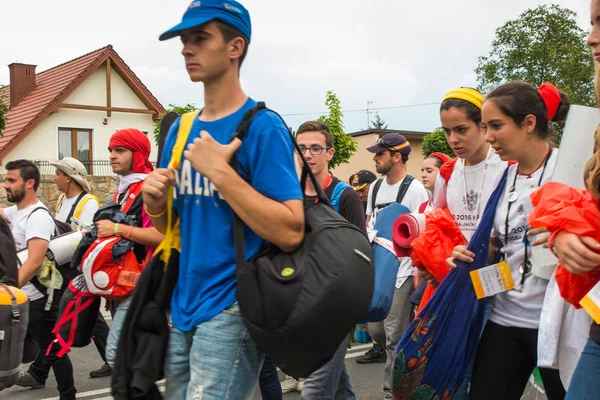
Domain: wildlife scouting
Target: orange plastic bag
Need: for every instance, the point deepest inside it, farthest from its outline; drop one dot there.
(432, 247)
(559, 206)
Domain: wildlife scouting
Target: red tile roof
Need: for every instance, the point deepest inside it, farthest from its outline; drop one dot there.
(53, 86)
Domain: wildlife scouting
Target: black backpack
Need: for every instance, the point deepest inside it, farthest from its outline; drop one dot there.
(298, 307)
(401, 192)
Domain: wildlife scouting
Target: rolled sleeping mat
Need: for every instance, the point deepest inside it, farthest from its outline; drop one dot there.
(63, 247)
(407, 228)
(14, 318)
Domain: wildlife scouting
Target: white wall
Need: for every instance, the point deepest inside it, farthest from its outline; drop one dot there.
(42, 143)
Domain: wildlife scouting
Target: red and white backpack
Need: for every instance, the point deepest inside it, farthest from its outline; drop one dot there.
(113, 278)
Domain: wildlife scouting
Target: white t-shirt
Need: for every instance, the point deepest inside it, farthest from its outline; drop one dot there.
(468, 191)
(39, 225)
(414, 197)
(87, 213)
(519, 308)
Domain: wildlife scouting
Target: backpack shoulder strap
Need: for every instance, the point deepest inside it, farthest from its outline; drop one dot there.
(61, 198)
(337, 194)
(87, 197)
(48, 211)
(185, 127)
(375, 190)
(243, 126)
(404, 188)
(74, 207)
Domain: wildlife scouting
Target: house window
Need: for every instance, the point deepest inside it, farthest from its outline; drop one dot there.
(76, 143)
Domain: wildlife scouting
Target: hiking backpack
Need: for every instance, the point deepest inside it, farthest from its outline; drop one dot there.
(14, 318)
(337, 195)
(401, 192)
(111, 268)
(298, 307)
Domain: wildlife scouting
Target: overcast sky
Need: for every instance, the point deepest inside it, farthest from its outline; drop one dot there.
(391, 52)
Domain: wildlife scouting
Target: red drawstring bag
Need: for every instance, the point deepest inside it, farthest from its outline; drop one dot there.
(559, 206)
(432, 247)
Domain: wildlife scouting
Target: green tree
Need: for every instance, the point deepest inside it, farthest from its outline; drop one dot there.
(3, 111)
(378, 123)
(172, 107)
(542, 45)
(343, 144)
(436, 142)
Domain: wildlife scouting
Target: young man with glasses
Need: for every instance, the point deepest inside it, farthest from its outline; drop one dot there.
(316, 142)
(391, 156)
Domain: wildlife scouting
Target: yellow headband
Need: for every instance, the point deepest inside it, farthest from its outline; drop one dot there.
(466, 94)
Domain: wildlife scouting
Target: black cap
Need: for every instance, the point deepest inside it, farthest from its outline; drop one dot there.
(392, 142)
(362, 178)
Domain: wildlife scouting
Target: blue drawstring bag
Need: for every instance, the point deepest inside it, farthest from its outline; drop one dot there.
(386, 263)
(433, 355)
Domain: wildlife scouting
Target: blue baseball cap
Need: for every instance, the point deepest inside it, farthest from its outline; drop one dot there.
(201, 12)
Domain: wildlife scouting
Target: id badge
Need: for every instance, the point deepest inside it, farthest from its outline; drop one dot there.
(492, 280)
(591, 303)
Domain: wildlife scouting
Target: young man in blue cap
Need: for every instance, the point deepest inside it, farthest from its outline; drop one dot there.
(210, 353)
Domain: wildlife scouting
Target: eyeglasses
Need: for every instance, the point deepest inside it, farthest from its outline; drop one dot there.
(315, 149)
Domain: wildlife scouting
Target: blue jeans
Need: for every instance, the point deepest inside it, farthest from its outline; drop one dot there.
(114, 333)
(270, 387)
(215, 360)
(331, 381)
(585, 383)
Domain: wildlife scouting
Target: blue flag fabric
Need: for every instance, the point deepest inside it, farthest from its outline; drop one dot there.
(433, 355)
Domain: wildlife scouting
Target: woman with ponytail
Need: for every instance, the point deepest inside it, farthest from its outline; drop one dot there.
(516, 117)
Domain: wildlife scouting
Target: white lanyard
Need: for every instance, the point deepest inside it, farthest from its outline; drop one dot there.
(464, 179)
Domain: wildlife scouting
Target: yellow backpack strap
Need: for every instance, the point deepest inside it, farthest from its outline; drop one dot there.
(59, 202)
(185, 126)
(82, 202)
(172, 236)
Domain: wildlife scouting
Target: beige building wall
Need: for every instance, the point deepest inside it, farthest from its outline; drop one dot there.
(362, 159)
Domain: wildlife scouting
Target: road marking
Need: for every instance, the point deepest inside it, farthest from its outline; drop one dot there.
(354, 352)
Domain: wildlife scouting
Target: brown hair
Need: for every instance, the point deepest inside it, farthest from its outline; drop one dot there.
(519, 99)
(229, 33)
(591, 175)
(316, 126)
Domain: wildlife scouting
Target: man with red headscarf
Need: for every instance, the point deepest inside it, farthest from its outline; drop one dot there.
(129, 158)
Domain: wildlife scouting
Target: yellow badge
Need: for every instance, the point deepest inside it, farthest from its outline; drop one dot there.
(492, 280)
(287, 272)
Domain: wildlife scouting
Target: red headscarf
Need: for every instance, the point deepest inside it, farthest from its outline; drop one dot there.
(137, 142)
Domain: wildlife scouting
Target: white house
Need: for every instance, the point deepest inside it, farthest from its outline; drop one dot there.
(73, 109)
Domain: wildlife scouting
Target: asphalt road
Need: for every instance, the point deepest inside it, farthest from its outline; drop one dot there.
(367, 380)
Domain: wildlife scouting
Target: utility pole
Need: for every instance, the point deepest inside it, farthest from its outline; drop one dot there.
(369, 102)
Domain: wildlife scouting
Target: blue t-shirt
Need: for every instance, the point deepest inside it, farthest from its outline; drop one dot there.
(206, 283)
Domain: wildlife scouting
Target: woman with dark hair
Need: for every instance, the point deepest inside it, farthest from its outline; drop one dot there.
(516, 117)
(466, 183)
